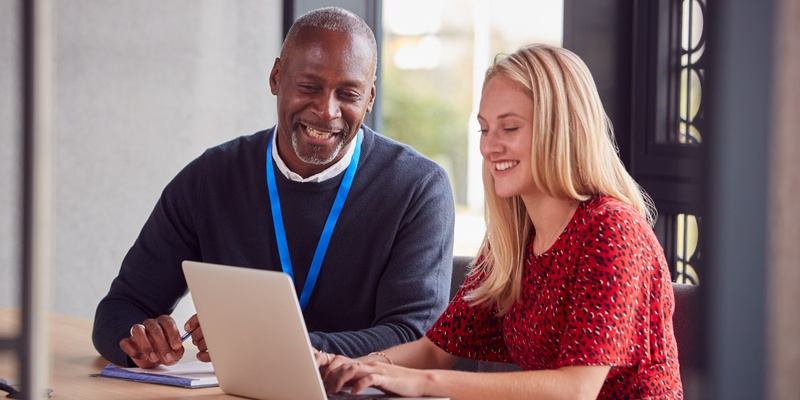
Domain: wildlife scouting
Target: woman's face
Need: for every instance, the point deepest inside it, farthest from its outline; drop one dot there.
(506, 121)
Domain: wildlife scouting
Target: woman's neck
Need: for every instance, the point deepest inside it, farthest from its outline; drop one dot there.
(549, 216)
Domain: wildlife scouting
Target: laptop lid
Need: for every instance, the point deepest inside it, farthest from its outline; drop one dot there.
(256, 334)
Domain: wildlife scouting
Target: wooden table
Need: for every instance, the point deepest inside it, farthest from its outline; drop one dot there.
(73, 359)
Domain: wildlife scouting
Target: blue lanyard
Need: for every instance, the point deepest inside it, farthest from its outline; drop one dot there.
(325, 239)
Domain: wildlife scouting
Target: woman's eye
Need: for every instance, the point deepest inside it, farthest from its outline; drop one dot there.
(510, 129)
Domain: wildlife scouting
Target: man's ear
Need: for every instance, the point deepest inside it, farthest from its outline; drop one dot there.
(372, 92)
(274, 76)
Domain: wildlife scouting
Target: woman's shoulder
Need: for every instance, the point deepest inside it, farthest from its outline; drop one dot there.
(604, 221)
(608, 231)
(606, 210)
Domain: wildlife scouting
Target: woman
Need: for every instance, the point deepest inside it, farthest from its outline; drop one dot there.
(570, 283)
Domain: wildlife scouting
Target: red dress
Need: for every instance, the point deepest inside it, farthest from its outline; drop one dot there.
(601, 295)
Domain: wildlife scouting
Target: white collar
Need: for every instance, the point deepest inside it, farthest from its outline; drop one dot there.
(329, 173)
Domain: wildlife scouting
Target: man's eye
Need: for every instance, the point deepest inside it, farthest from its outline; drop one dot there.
(307, 88)
(350, 96)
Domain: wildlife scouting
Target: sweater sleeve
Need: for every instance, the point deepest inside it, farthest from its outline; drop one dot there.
(415, 285)
(150, 281)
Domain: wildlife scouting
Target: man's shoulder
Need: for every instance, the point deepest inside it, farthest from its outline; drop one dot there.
(244, 142)
(232, 158)
(390, 152)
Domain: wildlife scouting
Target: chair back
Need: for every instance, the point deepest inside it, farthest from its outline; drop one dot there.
(685, 326)
(461, 266)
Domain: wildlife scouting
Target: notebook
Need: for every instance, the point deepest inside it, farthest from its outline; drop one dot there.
(256, 335)
(195, 374)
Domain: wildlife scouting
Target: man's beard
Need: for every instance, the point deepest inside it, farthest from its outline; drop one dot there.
(315, 159)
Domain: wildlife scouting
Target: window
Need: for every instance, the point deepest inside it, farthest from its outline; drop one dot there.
(648, 59)
(669, 123)
(433, 57)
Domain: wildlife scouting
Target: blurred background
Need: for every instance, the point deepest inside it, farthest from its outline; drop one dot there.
(702, 94)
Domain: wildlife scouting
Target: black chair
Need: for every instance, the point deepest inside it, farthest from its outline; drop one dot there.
(687, 301)
(461, 266)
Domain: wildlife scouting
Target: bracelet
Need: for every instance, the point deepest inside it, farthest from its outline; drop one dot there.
(382, 354)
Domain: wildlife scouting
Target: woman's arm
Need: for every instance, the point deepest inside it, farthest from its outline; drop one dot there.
(419, 368)
(582, 382)
(419, 354)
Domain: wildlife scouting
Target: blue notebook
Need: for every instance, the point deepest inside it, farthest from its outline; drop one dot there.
(194, 374)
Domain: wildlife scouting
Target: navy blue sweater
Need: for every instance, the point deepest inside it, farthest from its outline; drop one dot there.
(385, 278)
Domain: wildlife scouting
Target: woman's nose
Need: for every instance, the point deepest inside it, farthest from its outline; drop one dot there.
(489, 143)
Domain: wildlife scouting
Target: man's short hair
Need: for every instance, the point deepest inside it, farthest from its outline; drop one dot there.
(332, 18)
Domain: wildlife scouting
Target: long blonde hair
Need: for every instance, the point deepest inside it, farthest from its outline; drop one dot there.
(573, 156)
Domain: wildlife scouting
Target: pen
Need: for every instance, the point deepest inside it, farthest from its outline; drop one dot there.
(185, 336)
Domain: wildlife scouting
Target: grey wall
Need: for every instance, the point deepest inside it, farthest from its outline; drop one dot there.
(9, 159)
(141, 88)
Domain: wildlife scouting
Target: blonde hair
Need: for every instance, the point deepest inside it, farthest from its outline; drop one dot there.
(573, 156)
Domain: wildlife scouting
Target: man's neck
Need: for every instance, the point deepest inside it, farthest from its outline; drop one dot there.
(295, 169)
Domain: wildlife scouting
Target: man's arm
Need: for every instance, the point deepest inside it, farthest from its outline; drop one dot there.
(150, 281)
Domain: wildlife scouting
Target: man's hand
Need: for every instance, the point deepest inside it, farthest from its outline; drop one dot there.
(193, 325)
(154, 342)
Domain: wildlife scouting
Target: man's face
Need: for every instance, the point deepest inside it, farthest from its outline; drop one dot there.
(325, 85)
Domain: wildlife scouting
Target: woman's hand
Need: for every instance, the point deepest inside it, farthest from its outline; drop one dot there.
(360, 375)
(324, 359)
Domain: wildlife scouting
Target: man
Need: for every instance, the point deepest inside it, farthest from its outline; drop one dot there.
(384, 276)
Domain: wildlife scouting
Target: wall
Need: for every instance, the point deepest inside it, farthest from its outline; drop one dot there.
(141, 88)
(784, 276)
(9, 153)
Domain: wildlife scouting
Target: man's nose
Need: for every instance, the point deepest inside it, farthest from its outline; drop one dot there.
(328, 106)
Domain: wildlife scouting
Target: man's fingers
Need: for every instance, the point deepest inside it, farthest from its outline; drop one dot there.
(127, 345)
(157, 341)
(171, 332)
(200, 343)
(140, 341)
(204, 356)
(137, 329)
(157, 334)
(191, 324)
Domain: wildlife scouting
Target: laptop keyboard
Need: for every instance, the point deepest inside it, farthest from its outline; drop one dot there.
(346, 396)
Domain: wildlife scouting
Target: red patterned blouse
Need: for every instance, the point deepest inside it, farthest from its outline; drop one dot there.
(601, 295)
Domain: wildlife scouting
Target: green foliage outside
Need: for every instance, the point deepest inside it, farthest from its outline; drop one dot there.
(429, 110)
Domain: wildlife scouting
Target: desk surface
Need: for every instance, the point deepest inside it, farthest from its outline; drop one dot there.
(73, 358)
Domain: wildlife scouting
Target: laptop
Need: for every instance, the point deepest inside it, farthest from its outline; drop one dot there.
(256, 335)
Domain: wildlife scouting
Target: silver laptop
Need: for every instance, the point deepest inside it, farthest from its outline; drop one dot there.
(256, 335)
